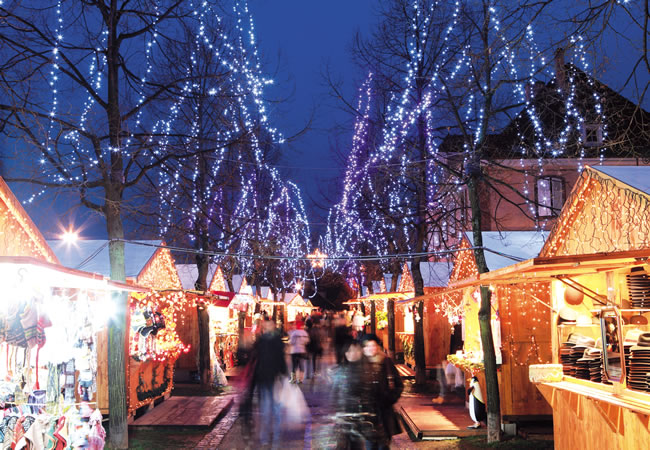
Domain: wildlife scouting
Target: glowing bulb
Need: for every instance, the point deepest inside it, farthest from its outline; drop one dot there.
(70, 237)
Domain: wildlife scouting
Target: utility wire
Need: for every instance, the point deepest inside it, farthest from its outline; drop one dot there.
(327, 258)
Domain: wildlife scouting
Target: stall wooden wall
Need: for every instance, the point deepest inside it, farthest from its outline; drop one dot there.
(187, 328)
(525, 340)
(152, 375)
(580, 422)
(437, 335)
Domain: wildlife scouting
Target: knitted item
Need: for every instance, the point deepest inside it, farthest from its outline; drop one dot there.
(15, 333)
(29, 322)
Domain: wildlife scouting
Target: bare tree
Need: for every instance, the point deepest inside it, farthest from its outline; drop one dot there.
(79, 80)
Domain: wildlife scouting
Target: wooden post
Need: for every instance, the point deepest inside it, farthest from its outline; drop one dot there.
(373, 317)
(390, 307)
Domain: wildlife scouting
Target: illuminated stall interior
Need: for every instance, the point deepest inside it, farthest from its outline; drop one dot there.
(154, 344)
(601, 310)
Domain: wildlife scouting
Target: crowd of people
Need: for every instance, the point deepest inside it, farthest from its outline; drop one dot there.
(364, 383)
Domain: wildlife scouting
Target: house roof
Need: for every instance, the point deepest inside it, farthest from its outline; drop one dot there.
(188, 273)
(92, 255)
(521, 245)
(637, 177)
(628, 126)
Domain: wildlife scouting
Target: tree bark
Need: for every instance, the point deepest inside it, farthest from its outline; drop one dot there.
(373, 317)
(241, 316)
(390, 312)
(485, 316)
(118, 348)
(418, 320)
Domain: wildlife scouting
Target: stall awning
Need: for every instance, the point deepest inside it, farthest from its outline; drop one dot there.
(551, 268)
(215, 298)
(387, 296)
(58, 276)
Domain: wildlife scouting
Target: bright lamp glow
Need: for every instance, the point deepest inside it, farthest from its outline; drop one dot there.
(70, 237)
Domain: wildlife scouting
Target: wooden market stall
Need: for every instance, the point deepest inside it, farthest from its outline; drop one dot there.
(435, 276)
(222, 320)
(152, 340)
(520, 321)
(296, 305)
(53, 315)
(597, 257)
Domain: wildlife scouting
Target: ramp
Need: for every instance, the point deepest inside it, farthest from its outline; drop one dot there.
(194, 411)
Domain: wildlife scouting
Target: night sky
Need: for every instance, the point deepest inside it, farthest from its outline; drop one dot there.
(302, 38)
(297, 40)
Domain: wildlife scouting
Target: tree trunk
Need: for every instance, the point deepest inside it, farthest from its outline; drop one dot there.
(373, 317)
(118, 349)
(418, 320)
(203, 316)
(484, 317)
(241, 316)
(394, 279)
(390, 312)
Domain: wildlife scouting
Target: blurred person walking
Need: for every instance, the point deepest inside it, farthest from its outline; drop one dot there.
(341, 336)
(314, 347)
(298, 340)
(386, 388)
(269, 367)
(356, 419)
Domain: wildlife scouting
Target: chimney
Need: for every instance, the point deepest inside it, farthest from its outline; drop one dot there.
(560, 71)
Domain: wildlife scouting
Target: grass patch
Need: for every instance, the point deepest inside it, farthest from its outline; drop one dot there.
(474, 442)
(153, 439)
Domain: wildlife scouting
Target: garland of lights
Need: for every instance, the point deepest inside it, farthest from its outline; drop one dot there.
(370, 214)
(274, 219)
(588, 223)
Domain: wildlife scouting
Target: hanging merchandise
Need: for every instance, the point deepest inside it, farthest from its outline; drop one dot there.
(48, 366)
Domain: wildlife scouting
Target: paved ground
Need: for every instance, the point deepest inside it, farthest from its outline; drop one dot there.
(317, 433)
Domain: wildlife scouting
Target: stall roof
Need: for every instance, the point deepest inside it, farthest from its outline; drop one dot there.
(636, 176)
(521, 245)
(188, 273)
(237, 281)
(434, 274)
(55, 275)
(376, 287)
(553, 267)
(387, 296)
(92, 255)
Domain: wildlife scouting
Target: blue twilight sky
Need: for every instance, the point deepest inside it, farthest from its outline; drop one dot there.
(301, 38)
(297, 40)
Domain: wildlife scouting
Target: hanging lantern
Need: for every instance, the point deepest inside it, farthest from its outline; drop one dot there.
(573, 296)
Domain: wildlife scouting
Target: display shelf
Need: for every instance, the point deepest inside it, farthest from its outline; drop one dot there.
(633, 401)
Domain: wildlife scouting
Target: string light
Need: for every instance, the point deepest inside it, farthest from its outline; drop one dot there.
(355, 224)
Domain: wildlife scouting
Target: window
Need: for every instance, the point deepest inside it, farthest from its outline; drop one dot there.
(592, 135)
(549, 195)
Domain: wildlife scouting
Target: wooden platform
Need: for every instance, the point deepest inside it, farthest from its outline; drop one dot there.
(427, 420)
(192, 412)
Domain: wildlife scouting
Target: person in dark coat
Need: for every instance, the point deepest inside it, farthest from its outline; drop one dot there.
(357, 420)
(270, 365)
(387, 387)
(341, 336)
(314, 347)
